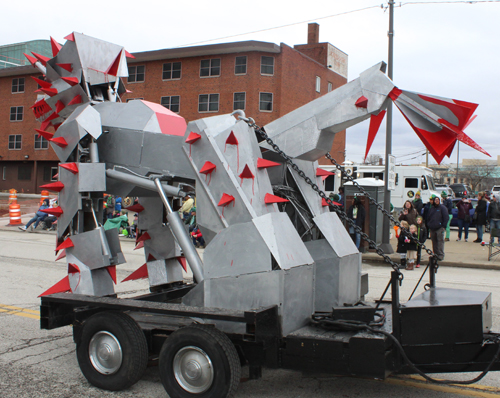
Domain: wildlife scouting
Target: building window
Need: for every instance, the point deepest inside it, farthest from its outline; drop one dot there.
(266, 102)
(16, 113)
(136, 74)
(24, 172)
(41, 142)
(173, 103)
(210, 67)
(240, 66)
(132, 99)
(330, 86)
(53, 173)
(15, 141)
(318, 84)
(239, 100)
(4, 173)
(171, 71)
(267, 65)
(49, 173)
(208, 103)
(18, 85)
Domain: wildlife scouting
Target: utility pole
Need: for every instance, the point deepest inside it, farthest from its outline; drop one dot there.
(458, 157)
(386, 246)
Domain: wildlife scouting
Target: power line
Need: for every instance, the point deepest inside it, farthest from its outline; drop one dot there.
(449, 2)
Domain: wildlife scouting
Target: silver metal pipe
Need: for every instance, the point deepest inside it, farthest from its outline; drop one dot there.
(180, 233)
(94, 153)
(144, 183)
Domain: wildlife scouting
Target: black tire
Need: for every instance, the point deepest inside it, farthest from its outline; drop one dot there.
(110, 328)
(200, 341)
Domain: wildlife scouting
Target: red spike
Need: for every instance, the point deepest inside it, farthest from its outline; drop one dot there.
(68, 67)
(113, 68)
(264, 164)
(73, 269)
(56, 126)
(56, 47)
(43, 60)
(193, 137)
(60, 287)
(48, 121)
(140, 273)
(112, 272)
(182, 261)
(231, 139)
(53, 186)
(40, 108)
(140, 245)
(362, 102)
(225, 200)
(70, 37)
(128, 55)
(145, 236)
(44, 134)
(136, 208)
(73, 167)
(42, 83)
(322, 172)
(325, 203)
(375, 122)
(62, 255)
(59, 141)
(72, 81)
(273, 199)
(32, 60)
(49, 91)
(76, 100)
(151, 257)
(66, 244)
(246, 173)
(207, 168)
(59, 106)
(55, 211)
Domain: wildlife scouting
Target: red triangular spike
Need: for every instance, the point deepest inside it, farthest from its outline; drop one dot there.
(43, 60)
(41, 82)
(55, 211)
(59, 106)
(207, 168)
(72, 81)
(136, 208)
(273, 199)
(128, 55)
(225, 200)
(32, 60)
(45, 134)
(151, 257)
(76, 100)
(49, 91)
(113, 68)
(56, 47)
(73, 167)
(68, 67)
(67, 243)
(73, 269)
(62, 255)
(56, 126)
(375, 122)
(112, 272)
(182, 261)
(59, 141)
(264, 164)
(325, 203)
(321, 172)
(53, 186)
(231, 140)
(70, 37)
(246, 173)
(139, 246)
(60, 287)
(145, 236)
(362, 102)
(48, 121)
(193, 137)
(140, 273)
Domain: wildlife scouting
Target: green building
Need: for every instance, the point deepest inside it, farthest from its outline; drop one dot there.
(11, 55)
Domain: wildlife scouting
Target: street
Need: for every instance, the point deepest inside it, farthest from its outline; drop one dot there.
(40, 363)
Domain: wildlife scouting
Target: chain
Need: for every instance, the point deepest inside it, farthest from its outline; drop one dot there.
(340, 213)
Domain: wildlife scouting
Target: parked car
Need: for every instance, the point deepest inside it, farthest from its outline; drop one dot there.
(454, 212)
(495, 190)
(462, 190)
(447, 189)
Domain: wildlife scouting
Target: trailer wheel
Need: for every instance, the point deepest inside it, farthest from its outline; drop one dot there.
(199, 361)
(112, 352)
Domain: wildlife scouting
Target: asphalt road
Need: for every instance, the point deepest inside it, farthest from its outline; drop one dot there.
(40, 363)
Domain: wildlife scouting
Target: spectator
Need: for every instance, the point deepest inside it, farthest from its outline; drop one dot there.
(425, 211)
(132, 229)
(197, 238)
(191, 220)
(437, 220)
(110, 207)
(39, 216)
(464, 207)
(341, 196)
(402, 242)
(50, 221)
(118, 205)
(480, 217)
(422, 237)
(449, 205)
(418, 204)
(188, 204)
(356, 213)
(409, 214)
(494, 213)
(411, 247)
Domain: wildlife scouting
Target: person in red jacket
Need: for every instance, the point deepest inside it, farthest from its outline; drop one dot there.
(197, 238)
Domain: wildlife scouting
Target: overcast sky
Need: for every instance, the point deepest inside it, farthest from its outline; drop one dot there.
(450, 50)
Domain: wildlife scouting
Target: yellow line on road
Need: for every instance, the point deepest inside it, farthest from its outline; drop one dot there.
(24, 312)
(467, 391)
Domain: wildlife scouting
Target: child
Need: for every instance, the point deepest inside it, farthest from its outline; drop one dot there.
(422, 237)
(403, 236)
(411, 247)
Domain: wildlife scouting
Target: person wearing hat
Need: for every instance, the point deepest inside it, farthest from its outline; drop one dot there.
(356, 212)
(39, 216)
(185, 210)
(437, 219)
(449, 205)
(418, 204)
(493, 213)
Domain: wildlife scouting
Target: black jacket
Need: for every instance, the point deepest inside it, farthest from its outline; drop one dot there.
(360, 217)
(481, 212)
(494, 210)
(437, 217)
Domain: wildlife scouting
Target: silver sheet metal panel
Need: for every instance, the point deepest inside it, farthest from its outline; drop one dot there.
(161, 272)
(70, 199)
(91, 177)
(332, 229)
(313, 200)
(162, 243)
(88, 249)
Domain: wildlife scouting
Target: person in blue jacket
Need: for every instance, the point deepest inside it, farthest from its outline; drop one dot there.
(39, 216)
(437, 219)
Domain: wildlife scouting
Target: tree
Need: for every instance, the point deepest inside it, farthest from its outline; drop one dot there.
(477, 174)
(373, 159)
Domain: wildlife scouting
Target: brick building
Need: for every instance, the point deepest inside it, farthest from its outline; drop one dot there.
(265, 80)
